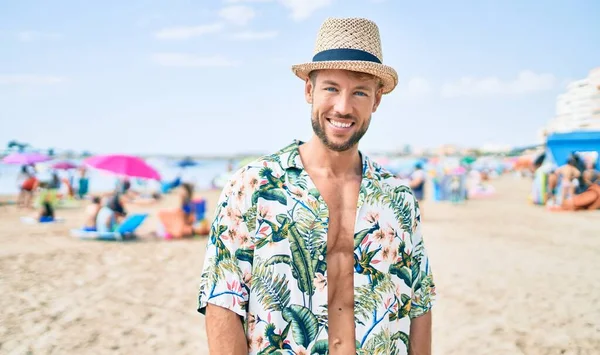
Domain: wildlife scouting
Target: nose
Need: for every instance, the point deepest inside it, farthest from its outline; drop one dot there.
(343, 105)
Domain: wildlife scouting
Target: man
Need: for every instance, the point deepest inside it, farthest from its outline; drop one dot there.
(316, 249)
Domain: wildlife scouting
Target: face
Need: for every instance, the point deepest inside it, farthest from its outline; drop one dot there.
(342, 104)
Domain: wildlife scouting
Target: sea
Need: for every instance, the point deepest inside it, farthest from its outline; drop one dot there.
(200, 175)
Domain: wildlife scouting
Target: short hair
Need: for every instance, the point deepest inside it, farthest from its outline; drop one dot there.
(356, 74)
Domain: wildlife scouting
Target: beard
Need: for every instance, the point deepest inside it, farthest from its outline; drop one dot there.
(319, 130)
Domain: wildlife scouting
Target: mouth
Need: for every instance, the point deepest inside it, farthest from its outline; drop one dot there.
(336, 123)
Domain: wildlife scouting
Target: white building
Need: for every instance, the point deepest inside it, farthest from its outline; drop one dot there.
(578, 108)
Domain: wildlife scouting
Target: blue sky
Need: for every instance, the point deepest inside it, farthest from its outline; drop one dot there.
(213, 76)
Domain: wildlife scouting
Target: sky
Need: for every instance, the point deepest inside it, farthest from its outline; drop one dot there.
(214, 76)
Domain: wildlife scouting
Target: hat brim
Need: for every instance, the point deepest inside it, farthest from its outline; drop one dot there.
(387, 74)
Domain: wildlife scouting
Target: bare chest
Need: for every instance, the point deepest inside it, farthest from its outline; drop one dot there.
(341, 198)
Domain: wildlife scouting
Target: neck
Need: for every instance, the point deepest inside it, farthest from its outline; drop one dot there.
(317, 157)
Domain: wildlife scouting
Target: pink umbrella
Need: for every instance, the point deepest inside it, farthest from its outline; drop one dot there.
(25, 158)
(64, 165)
(125, 165)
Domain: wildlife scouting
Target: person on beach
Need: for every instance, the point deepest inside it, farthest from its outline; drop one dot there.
(27, 183)
(417, 182)
(46, 200)
(91, 214)
(316, 249)
(569, 179)
(181, 221)
(454, 186)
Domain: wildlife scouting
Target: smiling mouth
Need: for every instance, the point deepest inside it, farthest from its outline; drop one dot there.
(339, 124)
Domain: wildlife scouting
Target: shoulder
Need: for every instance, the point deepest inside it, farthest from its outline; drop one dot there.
(389, 181)
(247, 178)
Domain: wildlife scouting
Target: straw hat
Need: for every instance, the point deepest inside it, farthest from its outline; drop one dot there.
(349, 44)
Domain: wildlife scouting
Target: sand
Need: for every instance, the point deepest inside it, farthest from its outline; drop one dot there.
(512, 279)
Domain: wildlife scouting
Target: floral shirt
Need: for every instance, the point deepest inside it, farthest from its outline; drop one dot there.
(266, 261)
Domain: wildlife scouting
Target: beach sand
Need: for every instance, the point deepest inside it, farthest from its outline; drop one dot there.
(511, 279)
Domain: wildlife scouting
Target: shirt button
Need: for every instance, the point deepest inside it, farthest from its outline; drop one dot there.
(321, 257)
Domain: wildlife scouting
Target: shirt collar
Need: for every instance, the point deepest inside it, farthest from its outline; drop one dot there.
(290, 159)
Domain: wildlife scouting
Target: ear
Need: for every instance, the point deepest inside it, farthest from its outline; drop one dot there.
(308, 91)
(378, 96)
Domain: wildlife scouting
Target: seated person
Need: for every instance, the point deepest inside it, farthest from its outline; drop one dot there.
(569, 179)
(110, 215)
(587, 200)
(45, 202)
(91, 213)
(181, 222)
(115, 203)
(106, 221)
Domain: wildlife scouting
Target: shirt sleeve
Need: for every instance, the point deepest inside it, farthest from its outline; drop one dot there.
(423, 287)
(229, 253)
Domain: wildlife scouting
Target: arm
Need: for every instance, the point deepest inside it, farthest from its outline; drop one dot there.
(224, 294)
(420, 335)
(225, 332)
(423, 293)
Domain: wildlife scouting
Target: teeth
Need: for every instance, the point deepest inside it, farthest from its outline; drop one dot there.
(340, 124)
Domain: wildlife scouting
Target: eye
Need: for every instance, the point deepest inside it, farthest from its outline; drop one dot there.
(360, 93)
(331, 89)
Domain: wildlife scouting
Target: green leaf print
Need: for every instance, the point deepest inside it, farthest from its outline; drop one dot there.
(291, 159)
(301, 261)
(272, 289)
(402, 272)
(367, 299)
(314, 193)
(402, 336)
(283, 259)
(312, 228)
(250, 218)
(244, 255)
(360, 236)
(276, 341)
(304, 324)
(381, 344)
(321, 347)
(403, 307)
(269, 194)
(296, 178)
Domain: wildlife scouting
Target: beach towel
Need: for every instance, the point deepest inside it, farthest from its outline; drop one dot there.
(125, 231)
(43, 220)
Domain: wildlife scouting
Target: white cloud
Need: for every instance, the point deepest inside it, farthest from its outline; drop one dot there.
(238, 14)
(30, 36)
(253, 36)
(192, 60)
(29, 79)
(302, 9)
(525, 82)
(186, 32)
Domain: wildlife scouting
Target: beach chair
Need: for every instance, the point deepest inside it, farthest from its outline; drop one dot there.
(200, 209)
(124, 231)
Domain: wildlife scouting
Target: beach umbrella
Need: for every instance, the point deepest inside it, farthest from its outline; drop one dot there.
(124, 165)
(467, 160)
(64, 165)
(25, 158)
